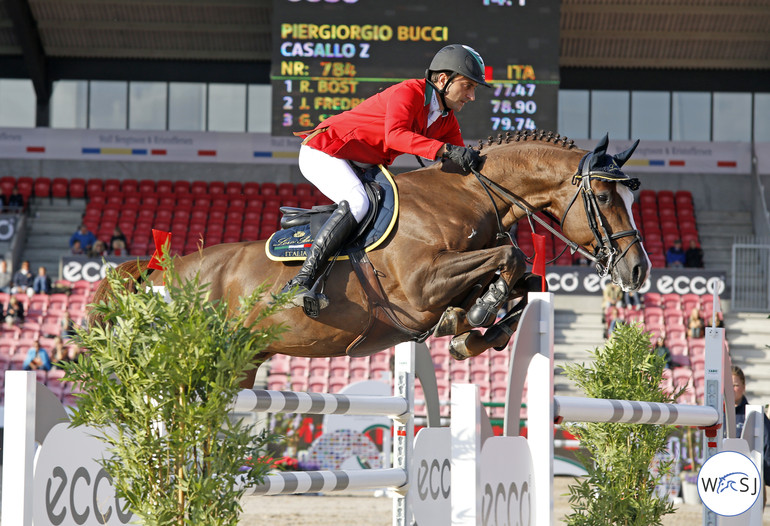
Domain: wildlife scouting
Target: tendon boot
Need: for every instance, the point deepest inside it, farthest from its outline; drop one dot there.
(327, 242)
(483, 313)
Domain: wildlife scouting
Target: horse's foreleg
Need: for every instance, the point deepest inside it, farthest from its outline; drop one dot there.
(251, 374)
(473, 343)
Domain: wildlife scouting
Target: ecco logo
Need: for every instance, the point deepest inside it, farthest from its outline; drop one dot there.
(505, 505)
(729, 483)
(433, 479)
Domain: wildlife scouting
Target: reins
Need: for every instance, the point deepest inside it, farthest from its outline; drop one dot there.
(604, 253)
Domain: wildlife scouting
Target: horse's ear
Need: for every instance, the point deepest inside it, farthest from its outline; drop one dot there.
(601, 148)
(622, 157)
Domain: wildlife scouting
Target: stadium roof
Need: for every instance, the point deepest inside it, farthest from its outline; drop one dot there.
(230, 40)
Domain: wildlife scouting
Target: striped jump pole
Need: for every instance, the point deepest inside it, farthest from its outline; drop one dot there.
(576, 409)
(399, 407)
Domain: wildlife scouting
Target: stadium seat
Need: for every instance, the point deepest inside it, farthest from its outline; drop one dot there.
(112, 186)
(181, 187)
(671, 301)
(146, 186)
(269, 189)
(77, 188)
(234, 188)
(129, 186)
(42, 187)
(199, 187)
(164, 185)
(665, 198)
(25, 185)
(303, 189)
(251, 188)
(216, 188)
(7, 184)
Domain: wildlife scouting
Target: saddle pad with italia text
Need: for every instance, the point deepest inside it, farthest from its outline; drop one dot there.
(292, 244)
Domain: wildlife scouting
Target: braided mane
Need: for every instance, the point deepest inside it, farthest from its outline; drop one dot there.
(529, 135)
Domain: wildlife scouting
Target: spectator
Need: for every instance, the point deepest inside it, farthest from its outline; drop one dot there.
(67, 326)
(59, 353)
(15, 312)
(693, 257)
(695, 324)
(37, 358)
(22, 280)
(631, 300)
(98, 250)
(41, 283)
(118, 242)
(675, 256)
(85, 236)
(77, 248)
(739, 390)
(661, 350)
(5, 276)
(15, 201)
(611, 295)
(614, 316)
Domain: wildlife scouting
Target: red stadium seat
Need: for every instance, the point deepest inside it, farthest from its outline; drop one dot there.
(199, 187)
(112, 186)
(269, 189)
(216, 187)
(251, 188)
(164, 185)
(234, 188)
(181, 187)
(60, 188)
(42, 187)
(77, 188)
(146, 186)
(129, 186)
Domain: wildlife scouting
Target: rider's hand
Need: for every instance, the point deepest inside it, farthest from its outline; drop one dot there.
(465, 158)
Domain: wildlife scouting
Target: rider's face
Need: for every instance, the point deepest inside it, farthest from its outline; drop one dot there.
(461, 91)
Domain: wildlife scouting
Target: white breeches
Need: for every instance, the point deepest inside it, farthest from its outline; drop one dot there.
(335, 178)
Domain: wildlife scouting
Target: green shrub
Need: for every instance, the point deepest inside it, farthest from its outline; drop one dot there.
(157, 380)
(620, 486)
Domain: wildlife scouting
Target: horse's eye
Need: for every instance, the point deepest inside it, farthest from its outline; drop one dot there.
(603, 198)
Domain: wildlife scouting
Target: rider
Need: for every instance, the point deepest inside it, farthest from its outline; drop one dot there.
(415, 116)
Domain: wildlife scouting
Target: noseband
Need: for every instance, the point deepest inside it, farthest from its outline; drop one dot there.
(605, 254)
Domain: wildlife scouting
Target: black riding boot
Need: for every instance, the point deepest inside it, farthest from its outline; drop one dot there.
(327, 242)
(483, 313)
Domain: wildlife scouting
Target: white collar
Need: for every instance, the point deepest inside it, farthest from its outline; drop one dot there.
(434, 111)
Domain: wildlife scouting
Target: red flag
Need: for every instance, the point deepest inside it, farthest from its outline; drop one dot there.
(538, 263)
(161, 239)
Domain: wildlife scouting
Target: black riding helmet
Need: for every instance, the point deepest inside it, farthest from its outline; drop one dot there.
(460, 60)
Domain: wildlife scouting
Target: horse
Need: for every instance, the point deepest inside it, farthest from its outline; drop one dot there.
(451, 240)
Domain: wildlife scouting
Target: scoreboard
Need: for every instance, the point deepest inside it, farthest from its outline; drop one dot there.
(329, 55)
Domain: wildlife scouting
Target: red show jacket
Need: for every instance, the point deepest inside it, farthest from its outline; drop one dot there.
(386, 125)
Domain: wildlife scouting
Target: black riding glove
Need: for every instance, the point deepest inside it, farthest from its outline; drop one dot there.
(465, 158)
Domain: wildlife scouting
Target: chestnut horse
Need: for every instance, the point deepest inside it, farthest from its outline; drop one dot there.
(449, 243)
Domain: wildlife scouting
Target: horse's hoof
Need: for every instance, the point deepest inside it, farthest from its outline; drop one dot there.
(447, 325)
(457, 348)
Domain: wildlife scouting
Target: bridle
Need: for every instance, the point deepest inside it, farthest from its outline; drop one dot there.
(605, 255)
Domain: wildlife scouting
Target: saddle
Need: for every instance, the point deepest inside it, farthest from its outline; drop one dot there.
(299, 226)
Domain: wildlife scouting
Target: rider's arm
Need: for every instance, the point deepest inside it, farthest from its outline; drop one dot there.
(405, 106)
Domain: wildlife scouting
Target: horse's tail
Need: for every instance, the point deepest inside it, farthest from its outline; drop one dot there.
(131, 270)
